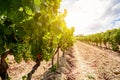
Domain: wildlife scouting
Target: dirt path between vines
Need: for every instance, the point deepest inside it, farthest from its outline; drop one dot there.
(86, 72)
(86, 62)
(96, 63)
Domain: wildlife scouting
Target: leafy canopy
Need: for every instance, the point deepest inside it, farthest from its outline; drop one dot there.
(31, 27)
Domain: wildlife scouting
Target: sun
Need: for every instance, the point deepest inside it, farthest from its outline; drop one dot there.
(83, 13)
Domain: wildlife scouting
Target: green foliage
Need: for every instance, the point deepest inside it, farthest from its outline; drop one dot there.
(22, 51)
(91, 77)
(31, 27)
(67, 38)
(9, 78)
(53, 68)
(7, 60)
(24, 77)
(110, 37)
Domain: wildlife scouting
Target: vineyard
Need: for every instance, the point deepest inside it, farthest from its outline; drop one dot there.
(36, 44)
(32, 30)
(109, 39)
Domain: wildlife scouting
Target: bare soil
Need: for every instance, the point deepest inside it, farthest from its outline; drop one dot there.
(98, 63)
(82, 62)
(18, 71)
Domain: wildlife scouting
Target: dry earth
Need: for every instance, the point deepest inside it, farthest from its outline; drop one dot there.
(98, 63)
(81, 62)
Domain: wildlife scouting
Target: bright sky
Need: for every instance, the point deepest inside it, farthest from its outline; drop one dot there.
(92, 16)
